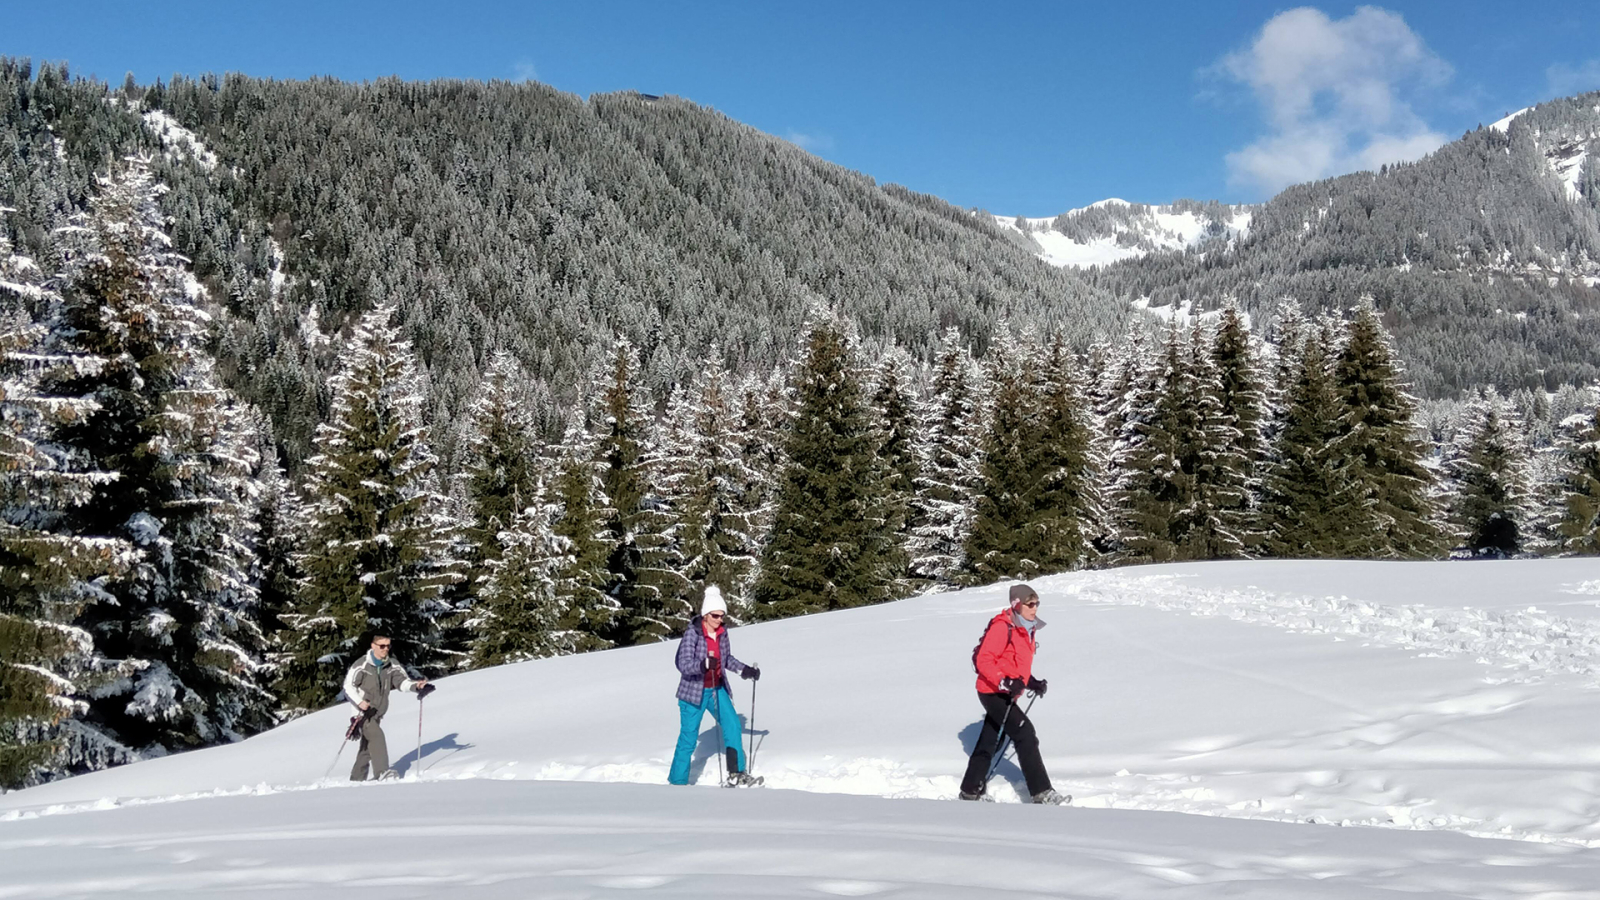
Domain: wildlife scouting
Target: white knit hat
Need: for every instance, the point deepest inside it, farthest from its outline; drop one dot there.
(713, 601)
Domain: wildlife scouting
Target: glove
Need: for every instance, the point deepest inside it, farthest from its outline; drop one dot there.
(1012, 686)
(1037, 685)
(425, 690)
(369, 712)
(750, 673)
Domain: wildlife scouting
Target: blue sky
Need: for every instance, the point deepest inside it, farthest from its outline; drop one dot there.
(1029, 108)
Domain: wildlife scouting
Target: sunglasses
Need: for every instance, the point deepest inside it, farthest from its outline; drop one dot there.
(381, 646)
(713, 615)
(1031, 604)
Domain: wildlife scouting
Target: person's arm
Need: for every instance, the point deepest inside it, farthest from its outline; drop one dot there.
(993, 644)
(690, 663)
(352, 686)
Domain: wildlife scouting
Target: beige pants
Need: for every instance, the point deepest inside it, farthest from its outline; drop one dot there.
(374, 750)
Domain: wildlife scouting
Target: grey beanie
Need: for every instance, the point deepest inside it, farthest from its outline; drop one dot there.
(1021, 592)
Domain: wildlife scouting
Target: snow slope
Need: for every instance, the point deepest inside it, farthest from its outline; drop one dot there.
(1451, 707)
(1114, 230)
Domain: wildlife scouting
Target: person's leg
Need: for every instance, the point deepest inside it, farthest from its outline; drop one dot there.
(1027, 742)
(732, 731)
(377, 746)
(994, 707)
(689, 716)
(358, 772)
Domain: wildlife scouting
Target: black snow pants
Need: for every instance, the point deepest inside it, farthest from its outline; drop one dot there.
(1019, 731)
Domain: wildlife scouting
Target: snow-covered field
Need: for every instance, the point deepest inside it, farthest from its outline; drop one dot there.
(1217, 724)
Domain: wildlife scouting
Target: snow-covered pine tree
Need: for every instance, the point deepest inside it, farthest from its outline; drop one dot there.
(517, 614)
(377, 551)
(1580, 522)
(1242, 395)
(1377, 429)
(501, 472)
(642, 577)
(1311, 505)
(1069, 507)
(1175, 473)
(46, 576)
(1001, 542)
(588, 613)
(764, 416)
(184, 618)
(942, 505)
(1487, 464)
(831, 545)
(715, 527)
(895, 410)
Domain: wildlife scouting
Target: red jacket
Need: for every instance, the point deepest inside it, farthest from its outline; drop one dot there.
(1006, 652)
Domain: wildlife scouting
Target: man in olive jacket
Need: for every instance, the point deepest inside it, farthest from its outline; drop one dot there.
(367, 686)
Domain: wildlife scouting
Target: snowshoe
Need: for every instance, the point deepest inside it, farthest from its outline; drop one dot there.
(1052, 797)
(967, 795)
(743, 779)
(389, 775)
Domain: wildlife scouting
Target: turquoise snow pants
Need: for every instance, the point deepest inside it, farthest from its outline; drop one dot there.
(690, 716)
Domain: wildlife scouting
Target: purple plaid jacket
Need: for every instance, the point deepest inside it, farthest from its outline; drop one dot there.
(692, 661)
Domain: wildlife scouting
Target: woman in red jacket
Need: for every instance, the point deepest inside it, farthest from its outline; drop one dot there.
(1005, 670)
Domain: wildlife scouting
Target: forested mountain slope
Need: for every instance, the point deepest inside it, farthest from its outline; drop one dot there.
(1483, 257)
(517, 217)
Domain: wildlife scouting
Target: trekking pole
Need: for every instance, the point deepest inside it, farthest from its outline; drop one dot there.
(1000, 741)
(421, 695)
(343, 739)
(722, 739)
(750, 761)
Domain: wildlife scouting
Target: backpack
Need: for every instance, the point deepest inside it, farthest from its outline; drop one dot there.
(979, 646)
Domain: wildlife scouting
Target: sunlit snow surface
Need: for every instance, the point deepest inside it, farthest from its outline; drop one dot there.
(1449, 713)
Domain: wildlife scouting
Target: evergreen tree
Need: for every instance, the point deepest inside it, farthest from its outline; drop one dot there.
(942, 503)
(1242, 397)
(1069, 509)
(1580, 525)
(183, 624)
(1489, 504)
(378, 545)
(715, 521)
(517, 615)
(1312, 507)
(764, 419)
(642, 579)
(897, 447)
(46, 576)
(588, 613)
(1377, 430)
(1001, 542)
(832, 544)
(1178, 474)
(502, 466)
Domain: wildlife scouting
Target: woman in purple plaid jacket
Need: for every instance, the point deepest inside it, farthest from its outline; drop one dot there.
(703, 656)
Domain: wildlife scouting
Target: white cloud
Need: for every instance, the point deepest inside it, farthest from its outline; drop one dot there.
(1334, 95)
(815, 143)
(812, 143)
(523, 70)
(1567, 80)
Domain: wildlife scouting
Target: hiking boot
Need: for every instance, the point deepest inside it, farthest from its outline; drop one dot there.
(1052, 797)
(971, 795)
(742, 779)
